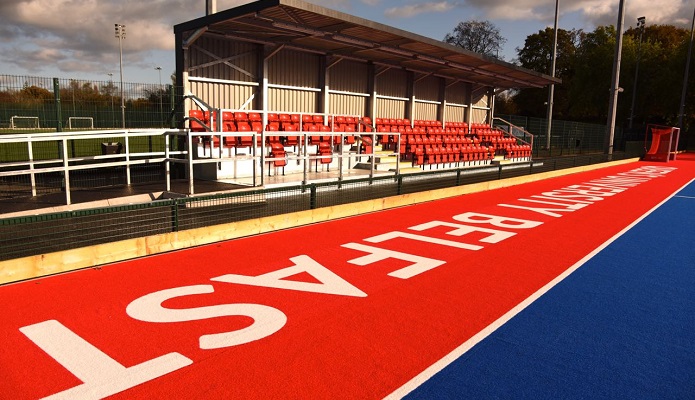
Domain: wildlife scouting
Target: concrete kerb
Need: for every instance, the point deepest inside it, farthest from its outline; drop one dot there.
(87, 257)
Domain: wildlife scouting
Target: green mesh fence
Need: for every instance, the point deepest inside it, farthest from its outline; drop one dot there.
(25, 236)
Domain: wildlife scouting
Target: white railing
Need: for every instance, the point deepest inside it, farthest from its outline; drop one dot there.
(215, 151)
(64, 163)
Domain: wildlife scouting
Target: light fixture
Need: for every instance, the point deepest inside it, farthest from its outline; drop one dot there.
(397, 51)
(641, 21)
(349, 40)
(432, 60)
(120, 35)
(298, 28)
(159, 71)
(483, 72)
(459, 66)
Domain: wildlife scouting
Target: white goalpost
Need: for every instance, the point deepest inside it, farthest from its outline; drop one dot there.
(24, 122)
(89, 122)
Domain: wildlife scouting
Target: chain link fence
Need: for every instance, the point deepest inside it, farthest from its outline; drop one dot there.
(567, 137)
(52, 104)
(32, 235)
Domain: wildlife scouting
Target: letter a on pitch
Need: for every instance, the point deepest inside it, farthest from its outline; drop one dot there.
(330, 283)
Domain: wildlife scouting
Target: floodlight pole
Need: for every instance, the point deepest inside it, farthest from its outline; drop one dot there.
(159, 70)
(640, 25)
(110, 74)
(120, 34)
(615, 82)
(685, 78)
(551, 92)
(210, 7)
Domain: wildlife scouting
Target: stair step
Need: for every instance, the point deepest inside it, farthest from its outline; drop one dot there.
(408, 170)
(377, 167)
(386, 159)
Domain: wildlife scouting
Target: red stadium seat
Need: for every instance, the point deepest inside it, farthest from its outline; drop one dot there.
(325, 154)
(367, 145)
(196, 121)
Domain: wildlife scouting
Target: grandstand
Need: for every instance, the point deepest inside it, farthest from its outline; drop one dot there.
(320, 97)
(291, 87)
(270, 99)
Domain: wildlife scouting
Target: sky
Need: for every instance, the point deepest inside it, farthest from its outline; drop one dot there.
(75, 38)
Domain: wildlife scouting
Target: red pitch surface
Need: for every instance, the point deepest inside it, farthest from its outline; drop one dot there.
(353, 308)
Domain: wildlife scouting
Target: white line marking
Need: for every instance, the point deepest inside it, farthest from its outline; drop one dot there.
(685, 197)
(488, 330)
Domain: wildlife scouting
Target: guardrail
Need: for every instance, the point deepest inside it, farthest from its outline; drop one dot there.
(40, 234)
(45, 162)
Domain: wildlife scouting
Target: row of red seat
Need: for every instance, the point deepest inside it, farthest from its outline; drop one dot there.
(278, 155)
(414, 139)
(237, 121)
(518, 151)
(253, 122)
(417, 137)
(440, 154)
(455, 153)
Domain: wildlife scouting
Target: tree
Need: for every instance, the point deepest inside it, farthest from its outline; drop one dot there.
(537, 55)
(662, 61)
(593, 70)
(477, 36)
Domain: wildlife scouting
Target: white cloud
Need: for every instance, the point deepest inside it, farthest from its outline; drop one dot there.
(594, 12)
(675, 12)
(78, 35)
(412, 10)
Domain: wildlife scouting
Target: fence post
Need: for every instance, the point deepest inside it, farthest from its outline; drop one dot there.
(399, 189)
(66, 169)
(458, 177)
(175, 215)
(312, 196)
(56, 95)
(172, 99)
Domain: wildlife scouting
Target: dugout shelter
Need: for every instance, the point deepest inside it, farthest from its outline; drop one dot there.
(289, 56)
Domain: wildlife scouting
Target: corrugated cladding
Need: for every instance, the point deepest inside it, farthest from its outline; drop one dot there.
(455, 114)
(479, 115)
(350, 76)
(388, 108)
(353, 77)
(457, 93)
(298, 70)
(425, 111)
(427, 89)
(291, 100)
(223, 95)
(481, 100)
(392, 83)
(202, 64)
(343, 104)
(204, 61)
(292, 68)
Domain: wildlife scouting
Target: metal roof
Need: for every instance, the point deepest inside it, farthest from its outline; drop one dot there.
(296, 24)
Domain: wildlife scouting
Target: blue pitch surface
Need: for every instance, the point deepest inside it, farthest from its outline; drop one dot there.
(622, 326)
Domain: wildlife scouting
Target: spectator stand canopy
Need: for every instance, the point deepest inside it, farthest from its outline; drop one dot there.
(304, 27)
(289, 56)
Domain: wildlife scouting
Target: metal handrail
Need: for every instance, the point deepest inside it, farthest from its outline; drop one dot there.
(518, 128)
